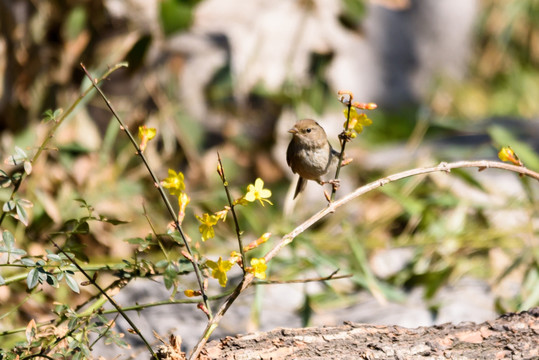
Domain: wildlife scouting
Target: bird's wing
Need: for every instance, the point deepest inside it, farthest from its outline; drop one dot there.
(289, 154)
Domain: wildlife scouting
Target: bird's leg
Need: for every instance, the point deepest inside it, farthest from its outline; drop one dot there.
(334, 182)
(344, 137)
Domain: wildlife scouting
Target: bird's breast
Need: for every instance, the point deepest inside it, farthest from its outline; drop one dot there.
(312, 163)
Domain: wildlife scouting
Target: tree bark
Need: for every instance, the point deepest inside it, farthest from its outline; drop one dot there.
(511, 336)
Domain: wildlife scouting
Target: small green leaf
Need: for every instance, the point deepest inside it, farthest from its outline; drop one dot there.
(17, 158)
(25, 203)
(170, 275)
(8, 239)
(112, 221)
(27, 262)
(32, 278)
(161, 263)
(5, 180)
(22, 215)
(72, 283)
(27, 167)
(82, 228)
(8, 206)
(54, 257)
(49, 115)
(51, 280)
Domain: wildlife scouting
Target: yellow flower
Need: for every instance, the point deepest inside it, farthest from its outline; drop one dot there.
(234, 257)
(240, 201)
(183, 200)
(145, 134)
(174, 182)
(507, 154)
(219, 270)
(258, 268)
(221, 215)
(192, 293)
(206, 228)
(257, 192)
(357, 120)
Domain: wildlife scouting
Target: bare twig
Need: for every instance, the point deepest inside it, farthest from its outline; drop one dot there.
(221, 172)
(288, 238)
(332, 276)
(344, 140)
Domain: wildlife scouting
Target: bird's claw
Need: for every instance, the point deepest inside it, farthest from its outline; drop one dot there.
(336, 183)
(344, 136)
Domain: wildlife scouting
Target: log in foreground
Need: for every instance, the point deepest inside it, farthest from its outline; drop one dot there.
(511, 336)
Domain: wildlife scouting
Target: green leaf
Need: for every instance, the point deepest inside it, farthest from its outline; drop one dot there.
(72, 283)
(27, 262)
(32, 278)
(27, 167)
(5, 180)
(18, 158)
(82, 228)
(176, 15)
(22, 215)
(161, 263)
(170, 275)
(112, 221)
(8, 206)
(8, 238)
(51, 280)
(54, 257)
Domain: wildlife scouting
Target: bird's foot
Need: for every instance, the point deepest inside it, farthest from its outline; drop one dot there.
(336, 183)
(345, 137)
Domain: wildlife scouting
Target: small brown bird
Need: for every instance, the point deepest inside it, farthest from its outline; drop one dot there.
(310, 154)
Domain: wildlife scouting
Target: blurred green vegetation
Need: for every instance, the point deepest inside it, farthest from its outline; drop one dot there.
(457, 226)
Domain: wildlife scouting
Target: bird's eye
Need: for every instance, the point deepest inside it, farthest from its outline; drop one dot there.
(309, 130)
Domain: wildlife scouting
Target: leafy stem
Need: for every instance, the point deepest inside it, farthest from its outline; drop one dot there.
(159, 187)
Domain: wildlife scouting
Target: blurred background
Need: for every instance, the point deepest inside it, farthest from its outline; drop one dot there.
(453, 80)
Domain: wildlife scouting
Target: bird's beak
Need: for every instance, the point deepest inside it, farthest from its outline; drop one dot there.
(293, 131)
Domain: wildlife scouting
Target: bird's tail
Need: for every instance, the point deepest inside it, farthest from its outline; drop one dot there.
(300, 186)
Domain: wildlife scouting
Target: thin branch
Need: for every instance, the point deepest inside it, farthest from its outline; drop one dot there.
(344, 140)
(110, 299)
(288, 238)
(221, 171)
(157, 184)
(332, 276)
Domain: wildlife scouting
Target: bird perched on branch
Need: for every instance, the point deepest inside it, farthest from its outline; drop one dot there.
(310, 154)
